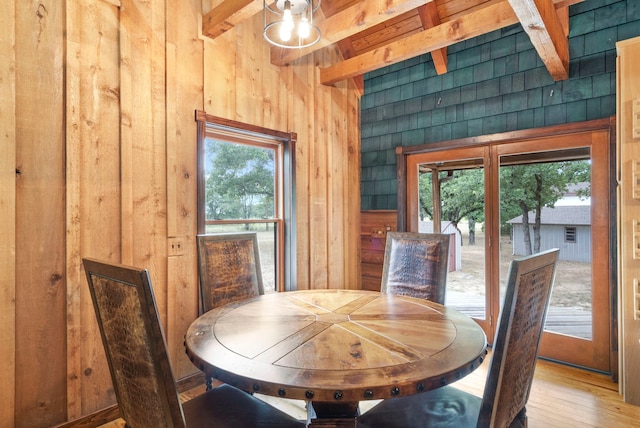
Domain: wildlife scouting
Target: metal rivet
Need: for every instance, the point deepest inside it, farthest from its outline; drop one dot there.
(368, 393)
(282, 392)
(309, 395)
(420, 387)
(256, 387)
(337, 395)
(443, 381)
(395, 391)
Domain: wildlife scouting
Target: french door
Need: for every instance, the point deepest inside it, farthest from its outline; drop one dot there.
(505, 200)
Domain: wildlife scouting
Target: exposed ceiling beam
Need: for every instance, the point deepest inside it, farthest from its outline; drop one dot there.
(347, 50)
(563, 15)
(478, 22)
(227, 15)
(545, 21)
(430, 18)
(488, 17)
(540, 21)
(348, 22)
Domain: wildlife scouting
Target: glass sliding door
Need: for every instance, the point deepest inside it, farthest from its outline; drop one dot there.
(546, 204)
(554, 193)
(451, 200)
(506, 200)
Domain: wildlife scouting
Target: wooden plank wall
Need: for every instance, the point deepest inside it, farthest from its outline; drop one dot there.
(238, 76)
(93, 195)
(40, 213)
(98, 159)
(373, 230)
(7, 213)
(628, 98)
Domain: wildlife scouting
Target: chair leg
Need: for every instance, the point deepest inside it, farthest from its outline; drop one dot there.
(209, 383)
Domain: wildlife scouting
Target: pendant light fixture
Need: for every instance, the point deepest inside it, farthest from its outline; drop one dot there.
(289, 23)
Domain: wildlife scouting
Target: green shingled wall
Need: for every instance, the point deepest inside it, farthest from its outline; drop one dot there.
(494, 83)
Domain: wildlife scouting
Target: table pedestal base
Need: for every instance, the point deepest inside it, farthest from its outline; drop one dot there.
(334, 415)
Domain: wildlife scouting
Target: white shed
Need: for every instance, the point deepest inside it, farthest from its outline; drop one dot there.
(565, 227)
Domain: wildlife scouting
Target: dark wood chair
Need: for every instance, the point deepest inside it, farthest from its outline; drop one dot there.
(141, 373)
(415, 264)
(229, 268)
(515, 351)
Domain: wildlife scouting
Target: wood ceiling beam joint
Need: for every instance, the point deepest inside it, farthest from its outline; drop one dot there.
(540, 21)
(227, 15)
(430, 18)
(480, 21)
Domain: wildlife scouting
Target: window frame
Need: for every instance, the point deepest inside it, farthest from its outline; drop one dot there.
(599, 135)
(285, 213)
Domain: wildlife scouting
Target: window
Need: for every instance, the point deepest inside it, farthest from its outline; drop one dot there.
(246, 183)
(570, 234)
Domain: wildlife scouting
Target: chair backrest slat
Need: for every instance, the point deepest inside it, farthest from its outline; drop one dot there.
(416, 264)
(515, 348)
(134, 344)
(229, 268)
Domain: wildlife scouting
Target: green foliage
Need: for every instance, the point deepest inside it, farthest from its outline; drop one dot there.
(240, 181)
(523, 188)
(462, 195)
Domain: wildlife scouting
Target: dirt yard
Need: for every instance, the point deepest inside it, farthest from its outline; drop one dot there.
(572, 288)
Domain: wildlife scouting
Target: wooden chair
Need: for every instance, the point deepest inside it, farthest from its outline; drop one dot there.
(140, 369)
(229, 268)
(515, 351)
(415, 264)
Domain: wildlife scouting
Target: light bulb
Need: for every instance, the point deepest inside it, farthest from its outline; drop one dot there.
(285, 32)
(287, 20)
(304, 29)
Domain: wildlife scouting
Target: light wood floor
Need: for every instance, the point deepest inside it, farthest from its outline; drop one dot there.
(561, 396)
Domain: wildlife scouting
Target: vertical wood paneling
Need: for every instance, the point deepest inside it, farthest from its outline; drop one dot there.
(93, 189)
(247, 73)
(628, 93)
(98, 115)
(296, 83)
(352, 185)
(144, 241)
(40, 215)
(219, 71)
(126, 134)
(7, 212)
(337, 166)
(318, 177)
(184, 96)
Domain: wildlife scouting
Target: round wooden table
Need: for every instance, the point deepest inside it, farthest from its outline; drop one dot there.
(335, 347)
